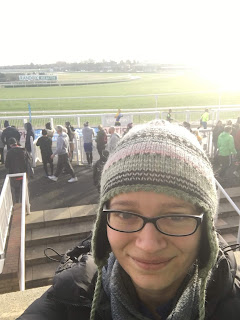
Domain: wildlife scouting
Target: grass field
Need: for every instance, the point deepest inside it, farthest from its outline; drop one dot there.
(147, 84)
(188, 89)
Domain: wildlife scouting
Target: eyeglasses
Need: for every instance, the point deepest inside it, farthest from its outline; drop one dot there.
(176, 225)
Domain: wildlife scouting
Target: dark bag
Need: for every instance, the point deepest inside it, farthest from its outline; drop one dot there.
(72, 256)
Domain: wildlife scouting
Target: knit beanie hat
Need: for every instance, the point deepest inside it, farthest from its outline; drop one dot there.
(164, 158)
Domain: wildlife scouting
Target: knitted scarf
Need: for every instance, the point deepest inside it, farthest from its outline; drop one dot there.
(124, 301)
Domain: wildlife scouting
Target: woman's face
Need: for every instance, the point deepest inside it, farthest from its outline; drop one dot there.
(156, 263)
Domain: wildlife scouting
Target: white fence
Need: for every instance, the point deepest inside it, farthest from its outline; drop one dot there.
(6, 206)
(180, 114)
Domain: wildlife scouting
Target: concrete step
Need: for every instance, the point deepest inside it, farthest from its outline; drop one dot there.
(58, 233)
(61, 229)
(227, 224)
(234, 193)
(47, 218)
(226, 210)
(230, 238)
(40, 275)
(35, 254)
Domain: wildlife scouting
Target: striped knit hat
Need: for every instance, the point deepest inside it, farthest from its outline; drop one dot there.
(164, 158)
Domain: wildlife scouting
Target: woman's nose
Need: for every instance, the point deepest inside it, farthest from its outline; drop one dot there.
(150, 239)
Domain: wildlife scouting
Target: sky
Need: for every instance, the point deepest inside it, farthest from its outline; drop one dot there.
(199, 33)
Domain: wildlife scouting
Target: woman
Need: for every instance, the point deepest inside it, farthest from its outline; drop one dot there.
(30, 133)
(156, 252)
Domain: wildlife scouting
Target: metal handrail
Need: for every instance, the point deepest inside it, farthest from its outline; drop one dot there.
(220, 189)
(25, 204)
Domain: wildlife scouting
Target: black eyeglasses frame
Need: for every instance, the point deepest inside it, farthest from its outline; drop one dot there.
(198, 218)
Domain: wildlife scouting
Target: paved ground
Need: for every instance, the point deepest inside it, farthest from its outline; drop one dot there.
(18, 302)
(46, 194)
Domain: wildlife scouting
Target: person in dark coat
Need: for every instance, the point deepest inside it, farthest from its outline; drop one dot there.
(155, 253)
(45, 144)
(9, 132)
(16, 162)
(30, 133)
(101, 140)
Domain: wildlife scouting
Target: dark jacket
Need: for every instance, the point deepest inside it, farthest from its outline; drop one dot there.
(10, 132)
(45, 144)
(16, 160)
(101, 138)
(72, 291)
(29, 134)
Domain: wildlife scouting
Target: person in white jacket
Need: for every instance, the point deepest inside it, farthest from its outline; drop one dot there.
(63, 156)
(114, 138)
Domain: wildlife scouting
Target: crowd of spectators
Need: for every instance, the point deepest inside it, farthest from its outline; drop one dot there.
(225, 141)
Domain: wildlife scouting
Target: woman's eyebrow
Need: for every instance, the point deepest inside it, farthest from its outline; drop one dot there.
(164, 206)
(124, 203)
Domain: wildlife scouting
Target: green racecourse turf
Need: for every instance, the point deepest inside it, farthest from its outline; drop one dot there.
(184, 83)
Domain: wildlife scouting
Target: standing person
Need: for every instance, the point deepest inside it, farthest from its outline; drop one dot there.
(204, 119)
(169, 115)
(101, 140)
(16, 162)
(226, 148)
(30, 133)
(63, 156)
(9, 132)
(155, 250)
(88, 134)
(1, 148)
(45, 144)
(71, 136)
(118, 116)
(50, 130)
(217, 130)
(114, 138)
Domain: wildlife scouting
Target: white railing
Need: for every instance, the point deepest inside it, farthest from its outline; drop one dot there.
(219, 190)
(6, 198)
(6, 205)
(190, 114)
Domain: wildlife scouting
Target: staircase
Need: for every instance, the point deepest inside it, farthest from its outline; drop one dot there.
(60, 229)
(64, 228)
(228, 219)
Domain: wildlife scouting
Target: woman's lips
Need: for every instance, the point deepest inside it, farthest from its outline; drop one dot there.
(151, 264)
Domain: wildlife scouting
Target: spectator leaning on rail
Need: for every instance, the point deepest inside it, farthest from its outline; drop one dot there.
(204, 119)
(226, 148)
(9, 132)
(156, 252)
(63, 156)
